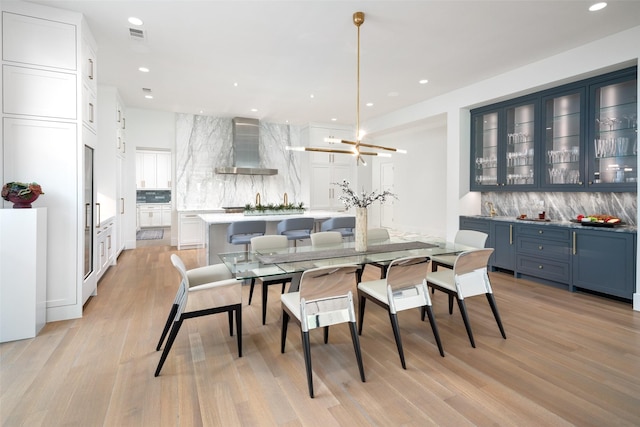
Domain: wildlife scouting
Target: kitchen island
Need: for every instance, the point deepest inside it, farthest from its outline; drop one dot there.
(216, 228)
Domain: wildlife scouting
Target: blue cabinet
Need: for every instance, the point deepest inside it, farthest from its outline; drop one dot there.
(576, 137)
(596, 259)
(604, 261)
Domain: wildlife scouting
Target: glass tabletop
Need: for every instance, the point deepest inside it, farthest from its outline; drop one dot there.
(246, 265)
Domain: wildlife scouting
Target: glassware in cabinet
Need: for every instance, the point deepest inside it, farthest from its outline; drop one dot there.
(520, 147)
(615, 143)
(485, 141)
(563, 139)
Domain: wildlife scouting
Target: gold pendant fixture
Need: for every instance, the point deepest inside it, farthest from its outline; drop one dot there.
(358, 20)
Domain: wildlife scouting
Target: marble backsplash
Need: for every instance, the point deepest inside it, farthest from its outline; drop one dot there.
(563, 206)
(204, 143)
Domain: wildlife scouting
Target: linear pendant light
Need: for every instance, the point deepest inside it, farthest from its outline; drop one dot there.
(358, 20)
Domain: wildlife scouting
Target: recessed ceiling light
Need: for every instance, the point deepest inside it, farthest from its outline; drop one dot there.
(369, 104)
(135, 21)
(423, 81)
(312, 96)
(201, 111)
(143, 69)
(597, 6)
(333, 119)
(235, 84)
(255, 110)
(149, 96)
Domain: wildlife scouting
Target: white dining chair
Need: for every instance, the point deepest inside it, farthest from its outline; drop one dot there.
(324, 299)
(202, 291)
(471, 238)
(378, 236)
(262, 244)
(468, 278)
(404, 288)
(326, 240)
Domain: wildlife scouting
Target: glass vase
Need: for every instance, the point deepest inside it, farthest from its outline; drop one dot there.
(361, 229)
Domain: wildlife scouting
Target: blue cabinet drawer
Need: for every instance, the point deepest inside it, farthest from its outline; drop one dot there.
(544, 268)
(545, 232)
(544, 248)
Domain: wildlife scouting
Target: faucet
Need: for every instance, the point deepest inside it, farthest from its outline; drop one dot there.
(286, 199)
(257, 199)
(492, 210)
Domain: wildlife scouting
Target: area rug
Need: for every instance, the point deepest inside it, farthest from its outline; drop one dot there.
(149, 234)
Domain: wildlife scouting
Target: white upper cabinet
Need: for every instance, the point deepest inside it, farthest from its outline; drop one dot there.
(36, 41)
(153, 170)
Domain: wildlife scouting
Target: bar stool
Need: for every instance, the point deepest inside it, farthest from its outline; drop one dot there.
(241, 232)
(295, 228)
(343, 224)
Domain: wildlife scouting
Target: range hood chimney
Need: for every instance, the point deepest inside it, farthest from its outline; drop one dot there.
(246, 151)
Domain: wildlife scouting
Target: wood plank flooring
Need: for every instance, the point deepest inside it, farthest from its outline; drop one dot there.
(569, 359)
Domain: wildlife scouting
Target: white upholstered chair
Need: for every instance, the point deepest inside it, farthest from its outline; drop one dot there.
(267, 243)
(324, 299)
(404, 288)
(472, 238)
(326, 240)
(468, 278)
(378, 236)
(202, 291)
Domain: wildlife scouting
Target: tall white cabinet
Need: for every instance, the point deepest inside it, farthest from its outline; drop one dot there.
(48, 116)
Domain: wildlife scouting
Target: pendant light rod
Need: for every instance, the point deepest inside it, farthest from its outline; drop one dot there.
(358, 20)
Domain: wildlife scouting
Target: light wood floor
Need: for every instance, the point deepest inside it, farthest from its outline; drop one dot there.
(570, 359)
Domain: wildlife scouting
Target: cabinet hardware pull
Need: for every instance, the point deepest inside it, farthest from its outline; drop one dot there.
(540, 247)
(540, 267)
(90, 112)
(121, 205)
(119, 143)
(540, 232)
(119, 116)
(98, 216)
(109, 240)
(90, 69)
(101, 249)
(124, 123)
(510, 234)
(575, 246)
(87, 209)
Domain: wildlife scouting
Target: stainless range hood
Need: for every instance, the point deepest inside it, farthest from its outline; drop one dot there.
(246, 152)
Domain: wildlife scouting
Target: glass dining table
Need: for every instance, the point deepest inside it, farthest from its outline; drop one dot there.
(295, 260)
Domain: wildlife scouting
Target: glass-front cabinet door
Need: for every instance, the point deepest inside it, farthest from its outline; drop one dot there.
(520, 149)
(563, 140)
(614, 145)
(485, 143)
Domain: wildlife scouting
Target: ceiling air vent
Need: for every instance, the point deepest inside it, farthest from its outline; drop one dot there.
(136, 34)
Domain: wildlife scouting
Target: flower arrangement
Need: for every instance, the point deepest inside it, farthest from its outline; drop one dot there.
(21, 190)
(351, 198)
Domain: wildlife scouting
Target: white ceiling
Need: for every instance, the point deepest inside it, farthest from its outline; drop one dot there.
(281, 52)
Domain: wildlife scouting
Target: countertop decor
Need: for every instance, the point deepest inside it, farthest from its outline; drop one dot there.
(361, 201)
(273, 209)
(21, 194)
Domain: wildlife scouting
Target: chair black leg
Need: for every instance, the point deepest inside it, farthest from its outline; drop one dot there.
(230, 314)
(465, 318)
(167, 325)
(494, 309)
(307, 360)
(238, 311)
(284, 285)
(434, 327)
(326, 334)
(422, 312)
(253, 283)
(172, 336)
(383, 272)
(265, 293)
(361, 305)
(283, 334)
(451, 303)
(356, 347)
(396, 334)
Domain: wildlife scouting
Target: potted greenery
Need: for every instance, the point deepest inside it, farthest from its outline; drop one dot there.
(273, 209)
(21, 194)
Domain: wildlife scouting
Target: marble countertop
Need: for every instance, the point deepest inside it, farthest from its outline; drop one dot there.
(227, 218)
(559, 223)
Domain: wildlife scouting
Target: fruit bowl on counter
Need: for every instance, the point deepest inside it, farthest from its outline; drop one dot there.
(600, 220)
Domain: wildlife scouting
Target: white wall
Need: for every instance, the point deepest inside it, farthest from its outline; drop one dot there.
(148, 129)
(418, 178)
